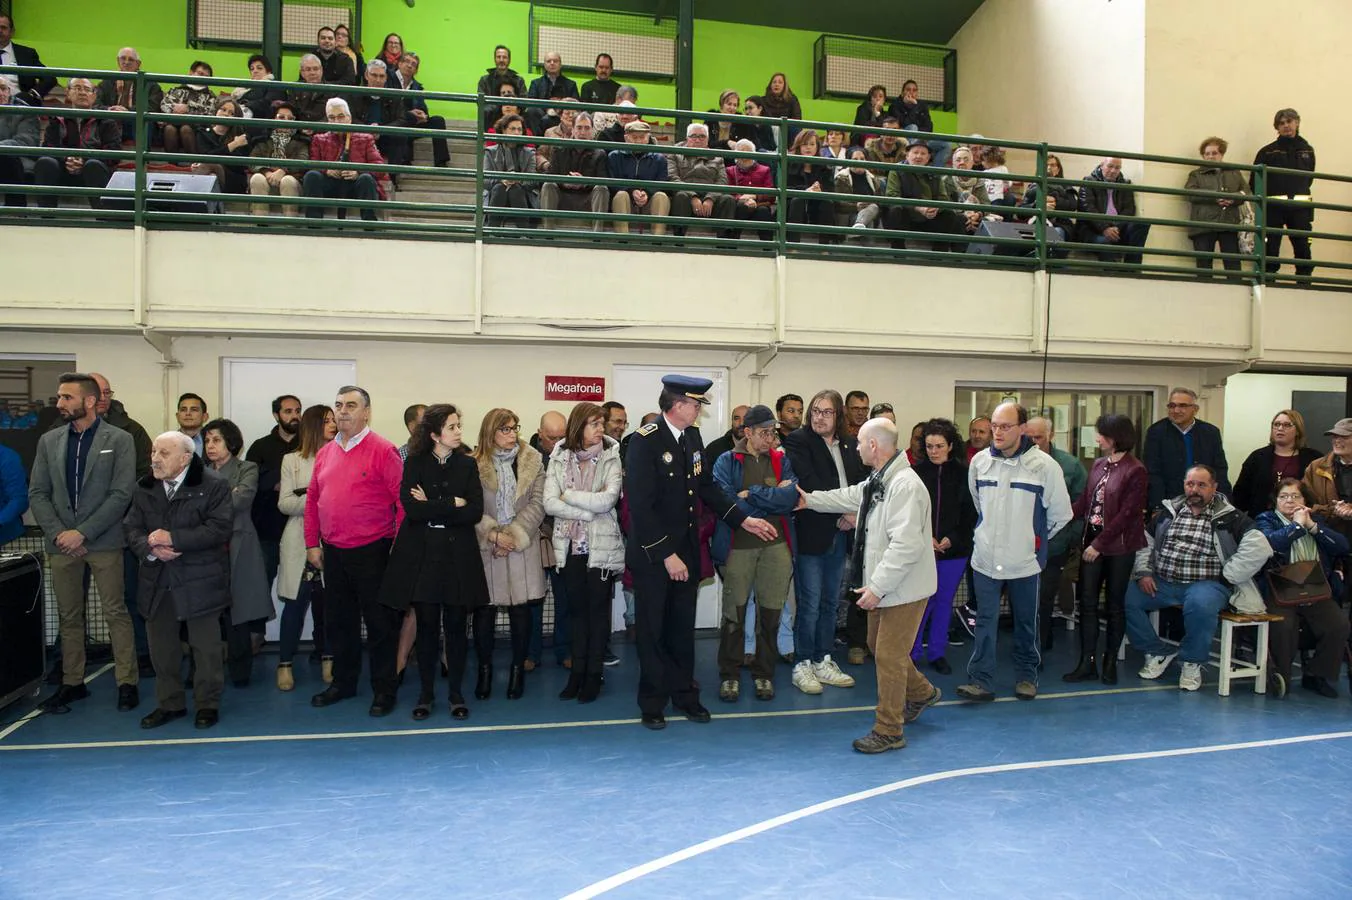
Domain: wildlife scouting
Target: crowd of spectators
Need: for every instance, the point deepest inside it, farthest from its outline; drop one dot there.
(424, 543)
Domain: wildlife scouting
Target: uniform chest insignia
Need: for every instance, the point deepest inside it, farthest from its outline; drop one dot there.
(666, 457)
(699, 462)
(648, 429)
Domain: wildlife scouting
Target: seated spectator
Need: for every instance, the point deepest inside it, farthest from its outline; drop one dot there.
(563, 130)
(119, 94)
(553, 84)
(1210, 211)
(310, 105)
(509, 158)
(914, 115)
(645, 169)
(257, 101)
(490, 84)
(1200, 551)
(722, 133)
(392, 54)
(187, 100)
(747, 172)
(343, 184)
(26, 89)
(763, 136)
(1061, 198)
(859, 180)
(226, 139)
(993, 163)
(887, 148)
(507, 109)
(281, 143)
(15, 131)
(1297, 535)
(808, 176)
(417, 106)
(1284, 456)
(780, 101)
(837, 147)
(75, 133)
(338, 67)
(968, 188)
(579, 162)
(870, 115)
(342, 37)
(372, 109)
(602, 88)
(1115, 232)
(915, 185)
(698, 170)
(610, 126)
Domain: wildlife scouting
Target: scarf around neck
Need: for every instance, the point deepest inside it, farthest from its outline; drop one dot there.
(504, 464)
(1303, 548)
(580, 476)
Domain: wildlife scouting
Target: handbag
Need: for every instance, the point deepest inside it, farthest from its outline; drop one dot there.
(1299, 584)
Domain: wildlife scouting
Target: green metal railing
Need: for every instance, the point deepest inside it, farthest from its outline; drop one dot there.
(468, 217)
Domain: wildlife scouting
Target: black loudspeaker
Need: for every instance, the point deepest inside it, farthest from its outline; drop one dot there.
(160, 190)
(1022, 230)
(22, 641)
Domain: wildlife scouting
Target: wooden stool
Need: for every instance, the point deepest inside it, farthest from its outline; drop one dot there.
(1258, 671)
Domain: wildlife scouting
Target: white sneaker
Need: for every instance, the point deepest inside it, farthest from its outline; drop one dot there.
(805, 679)
(1190, 679)
(828, 672)
(1155, 665)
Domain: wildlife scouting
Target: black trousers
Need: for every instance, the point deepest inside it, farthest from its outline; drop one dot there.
(1208, 240)
(513, 196)
(485, 623)
(11, 172)
(1115, 572)
(589, 592)
(664, 617)
(946, 222)
(1049, 586)
(50, 172)
(1279, 216)
(856, 622)
(803, 211)
(1327, 625)
(352, 578)
(239, 648)
(433, 620)
(440, 154)
(757, 213)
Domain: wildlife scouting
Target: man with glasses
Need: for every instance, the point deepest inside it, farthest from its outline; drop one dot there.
(119, 94)
(1176, 443)
(76, 133)
(856, 412)
(1329, 480)
(1021, 501)
(341, 147)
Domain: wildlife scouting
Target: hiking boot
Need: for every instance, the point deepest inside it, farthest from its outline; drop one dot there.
(1025, 690)
(765, 689)
(911, 711)
(729, 691)
(856, 656)
(974, 693)
(873, 742)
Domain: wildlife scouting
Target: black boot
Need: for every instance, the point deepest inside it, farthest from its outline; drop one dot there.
(484, 689)
(1085, 671)
(516, 682)
(591, 688)
(1117, 629)
(1089, 632)
(574, 685)
(1109, 668)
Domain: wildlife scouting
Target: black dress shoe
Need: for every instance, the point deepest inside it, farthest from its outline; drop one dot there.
(654, 721)
(329, 696)
(206, 718)
(382, 705)
(516, 682)
(696, 713)
(128, 697)
(158, 717)
(59, 702)
(1319, 685)
(483, 688)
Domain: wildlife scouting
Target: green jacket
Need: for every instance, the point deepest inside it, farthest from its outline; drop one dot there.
(1076, 479)
(1206, 209)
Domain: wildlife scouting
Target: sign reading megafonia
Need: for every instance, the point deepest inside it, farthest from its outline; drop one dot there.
(575, 387)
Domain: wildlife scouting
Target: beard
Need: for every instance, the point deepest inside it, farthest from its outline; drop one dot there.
(288, 428)
(68, 416)
(1195, 502)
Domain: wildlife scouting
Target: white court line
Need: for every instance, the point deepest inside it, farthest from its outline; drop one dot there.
(34, 713)
(629, 875)
(528, 726)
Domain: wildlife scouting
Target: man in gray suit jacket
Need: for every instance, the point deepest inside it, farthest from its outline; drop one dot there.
(83, 476)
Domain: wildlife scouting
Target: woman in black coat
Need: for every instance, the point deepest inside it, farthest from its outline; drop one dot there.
(435, 562)
(1285, 456)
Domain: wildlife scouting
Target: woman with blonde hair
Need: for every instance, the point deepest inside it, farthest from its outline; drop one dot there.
(1285, 456)
(513, 477)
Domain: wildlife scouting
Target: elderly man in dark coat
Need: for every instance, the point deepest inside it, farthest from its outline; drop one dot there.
(179, 527)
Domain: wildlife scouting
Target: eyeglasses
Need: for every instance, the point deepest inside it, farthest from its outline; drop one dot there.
(509, 429)
(1181, 405)
(827, 413)
(1289, 496)
(1282, 425)
(1003, 426)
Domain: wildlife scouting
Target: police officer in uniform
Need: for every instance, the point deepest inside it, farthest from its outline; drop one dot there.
(666, 469)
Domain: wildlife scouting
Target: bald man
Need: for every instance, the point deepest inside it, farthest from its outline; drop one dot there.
(553, 427)
(891, 574)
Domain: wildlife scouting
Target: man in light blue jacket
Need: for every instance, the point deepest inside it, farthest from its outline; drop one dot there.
(1021, 502)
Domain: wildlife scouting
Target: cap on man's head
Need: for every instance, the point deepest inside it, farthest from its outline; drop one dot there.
(686, 386)
(757, 416)
(1341, 428)
(637, 125)
(916, 142)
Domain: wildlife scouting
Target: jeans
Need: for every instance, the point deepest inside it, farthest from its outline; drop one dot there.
(818, 579)
(293, 620)
(1202, 602)
(785, 636)
(562, 645)
(1130, 234)
(1023, 593)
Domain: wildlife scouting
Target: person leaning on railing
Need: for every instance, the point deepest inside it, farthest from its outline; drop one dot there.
(338, 183)
(646, 170)
(1215, 210)
(310, 105)
(508, 159)
(369, 109)
(15, 131)
(74, 132)
(258, 100)
(1289, 151)
(281, 143)
(187, 100)
(407, 75)
(1107, 200)
(807, 176)
(228, 140)
(921, 186)
(583, 162)
(746, 172)
(698, 170)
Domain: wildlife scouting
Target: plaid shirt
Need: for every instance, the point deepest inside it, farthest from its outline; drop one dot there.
(1188, 552)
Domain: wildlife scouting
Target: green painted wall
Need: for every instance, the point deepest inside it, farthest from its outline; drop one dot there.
(455, 39)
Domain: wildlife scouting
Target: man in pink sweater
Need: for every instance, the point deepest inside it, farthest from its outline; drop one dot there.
(352, 512)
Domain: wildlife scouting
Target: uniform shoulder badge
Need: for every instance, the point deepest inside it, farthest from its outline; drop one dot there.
(648, 429)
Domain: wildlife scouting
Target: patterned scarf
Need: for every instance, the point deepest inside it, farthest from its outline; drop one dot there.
(503, 461)
(1303, 548)
(281, 137)
(578, 477)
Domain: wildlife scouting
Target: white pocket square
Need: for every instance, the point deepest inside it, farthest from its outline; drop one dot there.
(101, 452)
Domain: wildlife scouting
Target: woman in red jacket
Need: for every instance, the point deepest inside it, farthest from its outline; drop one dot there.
(1113, 509)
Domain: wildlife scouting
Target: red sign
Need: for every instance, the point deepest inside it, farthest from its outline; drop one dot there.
(575, 388)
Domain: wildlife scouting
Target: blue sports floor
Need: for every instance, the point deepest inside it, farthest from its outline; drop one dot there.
(1137, 791)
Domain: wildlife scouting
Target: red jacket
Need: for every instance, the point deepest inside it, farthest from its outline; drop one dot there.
(361, 148)
(1124, 498)
(757, 176)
